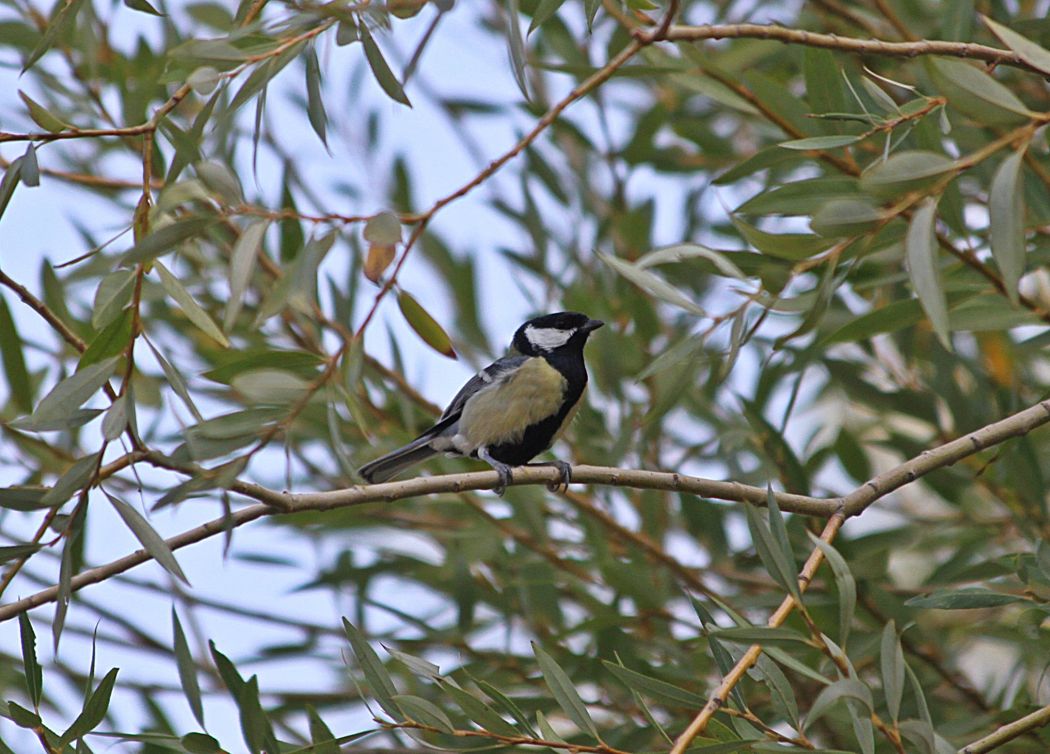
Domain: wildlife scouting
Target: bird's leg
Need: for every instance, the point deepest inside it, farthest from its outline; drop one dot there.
(564, 469)
(505, 476)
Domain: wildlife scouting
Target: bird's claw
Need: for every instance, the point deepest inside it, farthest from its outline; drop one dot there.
(505, 479)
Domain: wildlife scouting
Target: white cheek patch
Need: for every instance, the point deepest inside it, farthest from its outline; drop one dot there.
(548, 338)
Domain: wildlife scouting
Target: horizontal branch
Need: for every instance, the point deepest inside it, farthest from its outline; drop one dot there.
(1009, 732)
(878, 487)
(849, 44)
(273, 502)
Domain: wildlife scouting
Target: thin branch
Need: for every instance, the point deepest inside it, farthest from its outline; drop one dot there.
(1009, 732)
(750, 657)
(273, 502)
(849, 44)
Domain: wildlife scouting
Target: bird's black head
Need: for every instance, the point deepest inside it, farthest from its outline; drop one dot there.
(562, 331)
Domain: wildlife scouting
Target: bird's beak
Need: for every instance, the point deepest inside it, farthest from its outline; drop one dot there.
(592, 324)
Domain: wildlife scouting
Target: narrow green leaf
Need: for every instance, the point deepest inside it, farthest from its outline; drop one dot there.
(94, 711)
(846, 217)
(15, 371)
(479, 712)
(321, 736)
(829, 695)
(111, 341)
(772, 556)
(423, 711)
(41, 116)
(148, 537)
(761, 635)
(976, 94)
(30, 170)
(904, 171)
(507, 705)
(820, 142)
(516, 46)
(165, 239)
(75, 478)
(200, 743)
(386, 78)
(314, 101)
(68, 395)
(778, 529)
(652, 284)
(963, 599)
(781, 694)
(116, 419)
(65, 587)
(685, 251)
(176, 380)
(792, 247)
(23, 497)
(243, 260)
(189, 306)
(564, 692)
(143, 6)
(425, 326)
(111, 296)
(544, 10)
(16, 552)
(920, 248)
(187, 669)
(1031, 53)
(34, 674)
(844, 583)
(661, 691)
(231, 678)
(22, 717)
(1006, 213)
(255, 724)
(378, 678)
(67, 13)
(891, 660)
(12, 177)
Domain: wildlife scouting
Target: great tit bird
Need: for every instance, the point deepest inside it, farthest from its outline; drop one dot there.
(513, 409)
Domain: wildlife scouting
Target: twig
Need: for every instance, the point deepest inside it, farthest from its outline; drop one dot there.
(750, 657)
(849, 44)
(1009, 732)
(838, 509)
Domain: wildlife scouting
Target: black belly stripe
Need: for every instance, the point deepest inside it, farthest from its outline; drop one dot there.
(540, 436)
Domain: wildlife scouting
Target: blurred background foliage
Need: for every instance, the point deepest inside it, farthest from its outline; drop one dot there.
(815, 261)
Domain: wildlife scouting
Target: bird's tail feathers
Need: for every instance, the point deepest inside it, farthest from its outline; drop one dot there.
(393, 463)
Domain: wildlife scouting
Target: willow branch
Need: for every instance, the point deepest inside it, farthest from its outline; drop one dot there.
(1009, 732)
(750, 657)
(849, 44)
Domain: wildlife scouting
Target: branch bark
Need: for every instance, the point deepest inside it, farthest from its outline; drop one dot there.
(849, 44)
(272, 502)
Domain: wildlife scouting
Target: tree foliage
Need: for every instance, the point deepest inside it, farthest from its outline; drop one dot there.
(815, 515)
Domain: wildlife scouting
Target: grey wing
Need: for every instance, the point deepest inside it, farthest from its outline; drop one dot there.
(493, 373)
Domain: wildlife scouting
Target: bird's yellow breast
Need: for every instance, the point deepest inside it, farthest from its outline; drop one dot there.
(502, 413)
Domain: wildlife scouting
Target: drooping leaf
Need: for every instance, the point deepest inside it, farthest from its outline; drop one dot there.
(243, 260)
(153, 543)
(891, 660)
(564, 691)
(33, 672)
(380, 69)
(963, 599)
(15, 371)
(425, 326)
(1006, 211)
(69, 394)
(187, 669)
(193, 311)
(1031, 53)
(920, 247)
